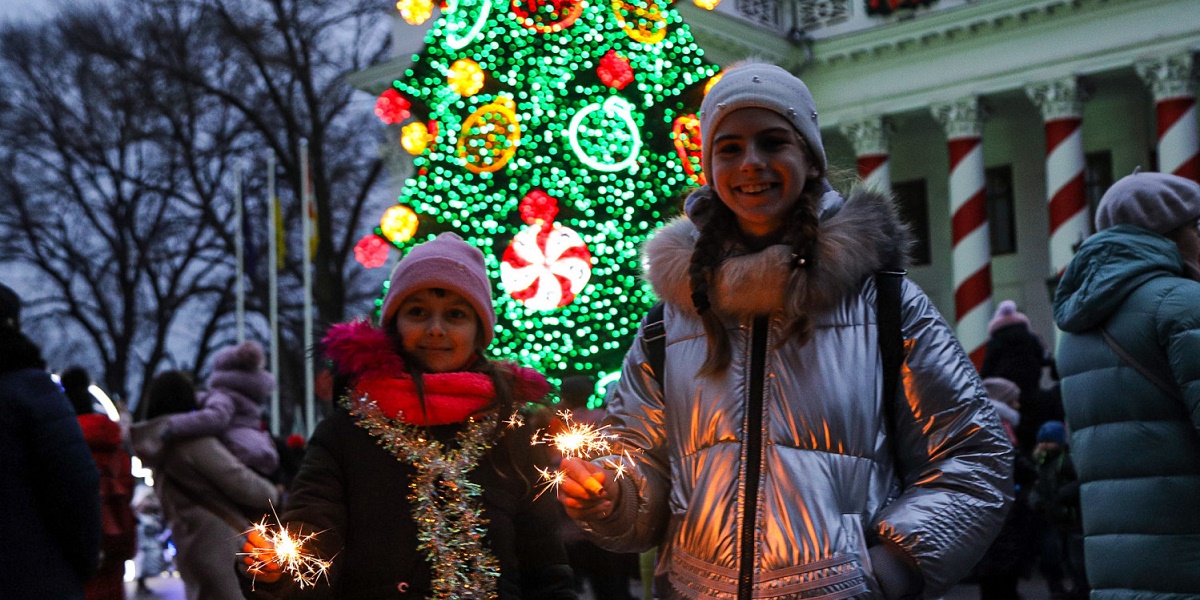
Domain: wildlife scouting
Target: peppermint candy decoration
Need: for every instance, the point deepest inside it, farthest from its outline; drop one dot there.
(547, 264)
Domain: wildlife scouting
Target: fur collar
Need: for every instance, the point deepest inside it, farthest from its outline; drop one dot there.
(864, 236)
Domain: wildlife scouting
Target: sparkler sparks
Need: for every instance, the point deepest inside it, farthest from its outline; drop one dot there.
(576, 440)
(285, 550)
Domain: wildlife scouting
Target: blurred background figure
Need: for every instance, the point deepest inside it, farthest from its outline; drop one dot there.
(209, 497)
(49, 485)
(1055, 499)
(153, 534)
(1017, 354)
(608, 574)
(1012, 555)
(118, 541)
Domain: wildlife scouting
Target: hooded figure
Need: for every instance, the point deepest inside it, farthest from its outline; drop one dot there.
(1136, 443)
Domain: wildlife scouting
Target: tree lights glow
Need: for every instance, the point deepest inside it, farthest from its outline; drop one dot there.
(559, 165)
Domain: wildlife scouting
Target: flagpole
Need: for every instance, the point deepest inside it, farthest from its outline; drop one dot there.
(273, 290)
(306, 219)
(240, 249)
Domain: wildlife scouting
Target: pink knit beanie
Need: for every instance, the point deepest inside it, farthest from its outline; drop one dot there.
(1006, 314)
(445, 262)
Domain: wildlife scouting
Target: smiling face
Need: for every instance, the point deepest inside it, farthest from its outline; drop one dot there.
(439, 328)
(760, 165)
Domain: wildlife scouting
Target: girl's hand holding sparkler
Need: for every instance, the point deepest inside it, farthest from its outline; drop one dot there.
(587, 491)
(259, 556)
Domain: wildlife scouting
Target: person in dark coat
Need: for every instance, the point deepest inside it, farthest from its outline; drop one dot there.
(1017, 354)
(1132, 399)
(49, 486)
(423, 483)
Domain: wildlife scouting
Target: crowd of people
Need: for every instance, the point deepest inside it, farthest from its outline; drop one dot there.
(798, 421)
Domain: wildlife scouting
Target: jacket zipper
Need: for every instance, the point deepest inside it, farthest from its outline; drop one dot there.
(758, 359)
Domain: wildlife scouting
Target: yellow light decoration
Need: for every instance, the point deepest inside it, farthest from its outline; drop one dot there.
(713, 81)
(489, 137)
(642, 20)
(465, 77)
(415, 12)
(399, 224)
(415, 137)
(707, 4)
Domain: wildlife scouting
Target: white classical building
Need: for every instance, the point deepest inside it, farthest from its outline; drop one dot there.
(999, 123)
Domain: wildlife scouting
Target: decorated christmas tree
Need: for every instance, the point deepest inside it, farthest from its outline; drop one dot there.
(554, 136)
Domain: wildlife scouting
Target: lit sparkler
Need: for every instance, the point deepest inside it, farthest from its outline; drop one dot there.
(576, 440)
(286, 550)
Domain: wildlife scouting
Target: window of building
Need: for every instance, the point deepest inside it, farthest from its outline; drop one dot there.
(1002, 221)
(1097, 178)
(913, 202)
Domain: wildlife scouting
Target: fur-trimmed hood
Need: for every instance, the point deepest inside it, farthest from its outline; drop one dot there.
(858, 237)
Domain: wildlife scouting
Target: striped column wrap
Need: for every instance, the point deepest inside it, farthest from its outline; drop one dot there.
(1065, 190)
(972, 255)
(870, 138)
(875, 170)
(1178, 145)
(1173, 84)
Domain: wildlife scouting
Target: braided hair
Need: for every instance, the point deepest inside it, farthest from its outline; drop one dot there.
(718, 228)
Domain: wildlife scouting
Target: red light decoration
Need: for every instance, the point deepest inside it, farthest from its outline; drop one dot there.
(614, 70)
(371, 251)
(391, 107)
(685, 134)
(547, 17)
(538, 207)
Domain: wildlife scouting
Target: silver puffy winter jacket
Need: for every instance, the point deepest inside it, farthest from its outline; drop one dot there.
(828, 483)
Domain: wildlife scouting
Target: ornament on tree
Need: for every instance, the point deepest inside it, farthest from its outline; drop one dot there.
(415, 12)
(398, 224)
(547, 264)
(685, 134)
(415, 138)
(605, 142)
(489, 137)
(547, 17)
(642, 21)
(463, 27)
(708, 4)
(391, 107)
(465, 77)
(614, 70)
(371, 251)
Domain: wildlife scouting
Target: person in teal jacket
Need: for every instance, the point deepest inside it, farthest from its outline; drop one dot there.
(1132, 402)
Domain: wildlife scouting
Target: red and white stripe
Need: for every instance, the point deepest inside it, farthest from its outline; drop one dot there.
(971, 262)
(1065, 190)
(875, 170)
(1178, 145)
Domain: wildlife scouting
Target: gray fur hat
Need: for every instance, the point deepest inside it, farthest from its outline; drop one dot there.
(760, 85)
(1155, 201)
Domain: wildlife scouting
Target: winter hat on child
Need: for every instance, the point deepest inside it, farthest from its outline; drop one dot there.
(445, 262)
(1006, 314)
(760, 85)
(1155, 201)
(1053, 431)
(1002, 390)
(241, 368)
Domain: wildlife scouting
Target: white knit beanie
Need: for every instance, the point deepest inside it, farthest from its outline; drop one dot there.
(760, 85)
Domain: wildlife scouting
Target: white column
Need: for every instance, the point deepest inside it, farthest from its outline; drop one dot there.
(1172, 81)
(1061, 104)
(870, 138)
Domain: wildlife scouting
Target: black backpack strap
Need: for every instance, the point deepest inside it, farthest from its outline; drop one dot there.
(654, 333)
(891, 339)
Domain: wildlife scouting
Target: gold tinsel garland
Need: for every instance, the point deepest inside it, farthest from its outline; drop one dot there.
(445, 503)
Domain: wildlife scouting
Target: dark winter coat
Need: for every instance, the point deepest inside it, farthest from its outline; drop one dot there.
(1135, 448)
(49, 486)
(356, 494)
(1016, 354)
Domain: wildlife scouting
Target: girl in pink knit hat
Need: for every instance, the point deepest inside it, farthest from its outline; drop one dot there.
(423, 483)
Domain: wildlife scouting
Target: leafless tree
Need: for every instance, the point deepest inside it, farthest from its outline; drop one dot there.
(120, 138)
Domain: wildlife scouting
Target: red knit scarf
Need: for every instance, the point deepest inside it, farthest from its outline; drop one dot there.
(368, 356)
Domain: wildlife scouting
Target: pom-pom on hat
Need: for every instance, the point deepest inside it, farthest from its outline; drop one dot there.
(1155, 201)
(1006, 314)
(445, 262)
(760, 85)
(1053, 431)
